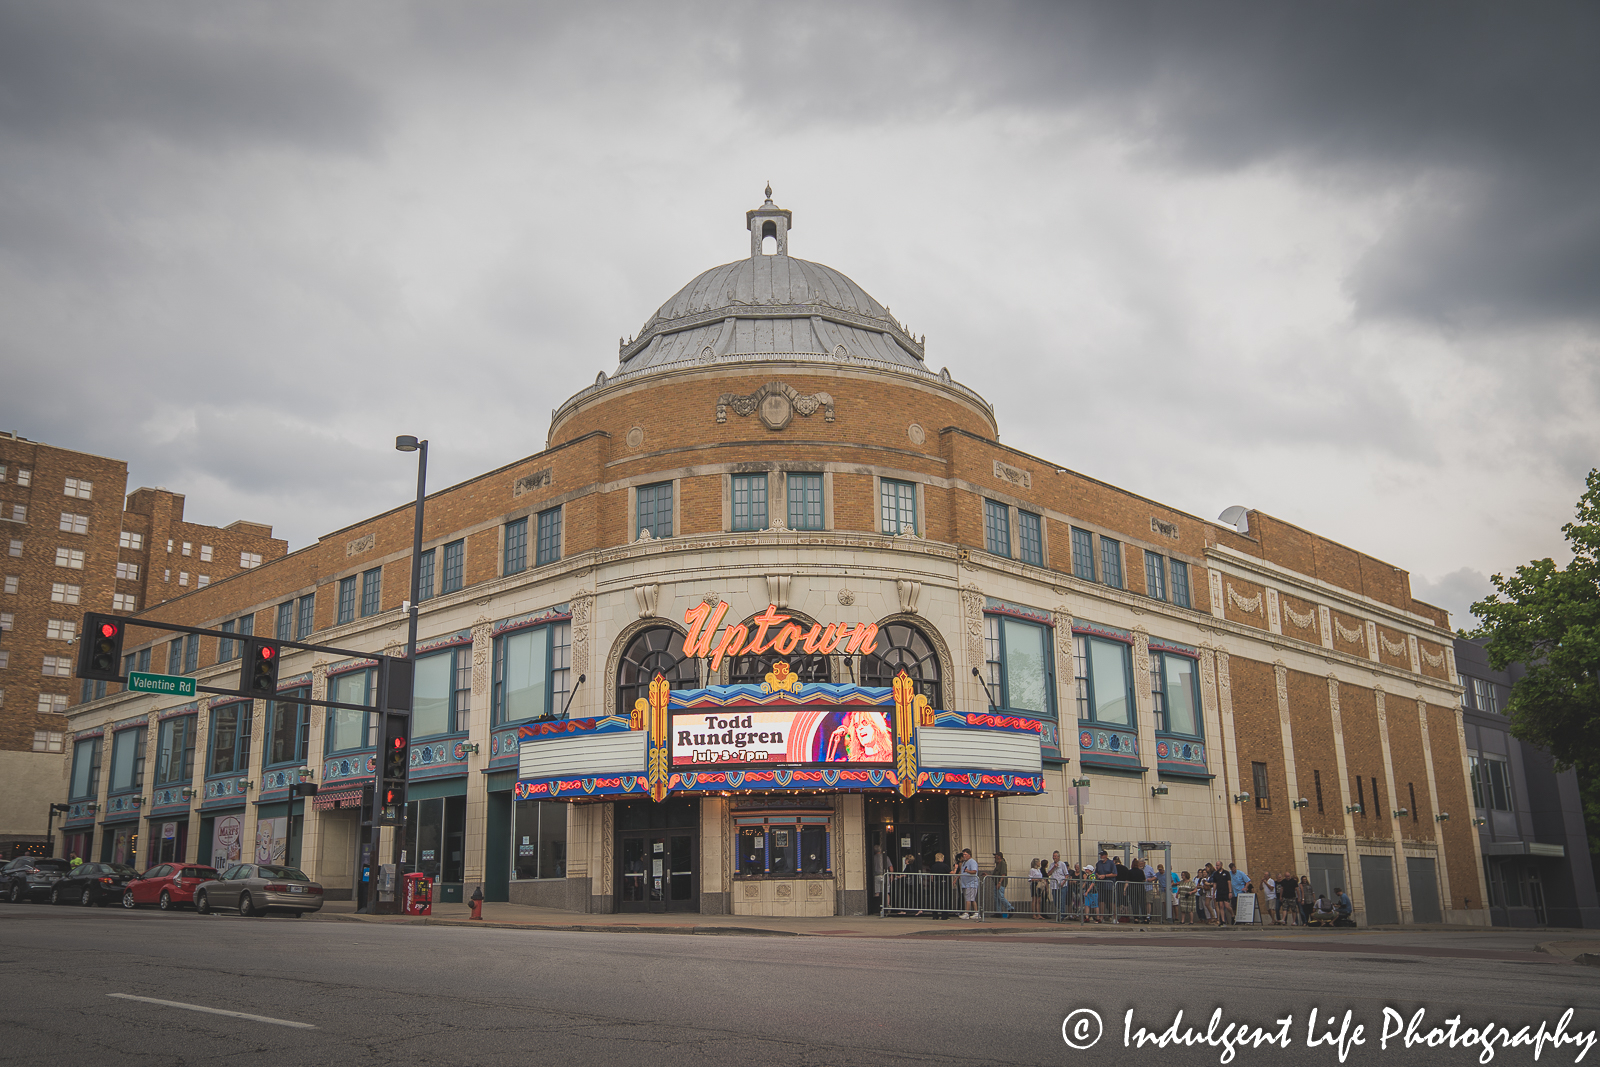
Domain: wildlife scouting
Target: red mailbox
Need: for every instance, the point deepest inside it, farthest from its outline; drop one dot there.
(416, 894)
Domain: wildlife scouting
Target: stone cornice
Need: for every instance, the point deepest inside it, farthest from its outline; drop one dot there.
(1281, 577)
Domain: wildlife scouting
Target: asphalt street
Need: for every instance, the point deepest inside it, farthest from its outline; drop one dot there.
(370, 993)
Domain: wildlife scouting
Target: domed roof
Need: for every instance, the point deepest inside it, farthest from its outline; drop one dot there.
(770, 306)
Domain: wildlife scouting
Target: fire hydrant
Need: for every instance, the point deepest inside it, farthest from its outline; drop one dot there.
(477, 902)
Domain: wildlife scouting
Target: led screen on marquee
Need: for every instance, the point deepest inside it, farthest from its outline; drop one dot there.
(760, 735)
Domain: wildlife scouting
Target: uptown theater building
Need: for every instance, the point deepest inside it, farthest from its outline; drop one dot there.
(774, 596)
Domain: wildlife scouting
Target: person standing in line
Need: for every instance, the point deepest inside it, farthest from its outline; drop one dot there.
(1058, 884)
(967, 877)
(1036, 885)
(1269, 897)
(1105, 874)
(1002, 904)
(1186, 893)
(1239, 879)
(1224, 886)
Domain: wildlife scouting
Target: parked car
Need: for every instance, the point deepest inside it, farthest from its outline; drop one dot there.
(96, 884)
(256, 888)
(30, 878)
(168, 885)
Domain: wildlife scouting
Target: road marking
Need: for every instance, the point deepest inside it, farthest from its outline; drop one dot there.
(214, 1011)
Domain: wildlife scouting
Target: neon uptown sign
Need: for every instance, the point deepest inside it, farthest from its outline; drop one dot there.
(786, 637)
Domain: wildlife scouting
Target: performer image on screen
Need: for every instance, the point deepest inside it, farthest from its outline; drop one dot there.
(864, 738)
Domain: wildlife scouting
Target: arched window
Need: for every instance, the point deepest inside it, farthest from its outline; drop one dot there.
(658, 649)
(902, 645)
(753, 670)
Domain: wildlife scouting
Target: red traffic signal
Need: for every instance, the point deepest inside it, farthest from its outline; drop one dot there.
(259, 676)
(100, 654)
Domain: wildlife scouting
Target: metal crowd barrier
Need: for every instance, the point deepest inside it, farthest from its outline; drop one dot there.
(1017, 897)
(911, 893)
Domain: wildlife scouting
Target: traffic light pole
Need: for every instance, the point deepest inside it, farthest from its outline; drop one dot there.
(409, 444)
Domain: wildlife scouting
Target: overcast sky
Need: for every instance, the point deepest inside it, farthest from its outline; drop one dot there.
(1337, 262)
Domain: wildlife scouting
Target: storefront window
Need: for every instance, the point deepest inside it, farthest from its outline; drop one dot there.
(532, 672)
(539, 839)
(175, 750)
(127, 760)
(903, 646)
(349, 730)
(783, 846)
(443, 692)
(436, 836)
(86, 769)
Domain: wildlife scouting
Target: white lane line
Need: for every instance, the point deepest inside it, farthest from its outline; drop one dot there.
(214, 1011)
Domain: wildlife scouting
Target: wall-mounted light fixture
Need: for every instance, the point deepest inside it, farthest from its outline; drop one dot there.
(1080, 783)
(1480, 822)
(1401, 813)
(1354, 809)
(91, 808)
(245, 785)
(1158, 790)
(1301, 803)
(137, 802)
(306, 774)
(187, 793)
(1241, 798)
(472, 748)
(1443, 816)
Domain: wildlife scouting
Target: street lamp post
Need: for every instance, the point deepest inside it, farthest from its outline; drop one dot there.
(407, 443)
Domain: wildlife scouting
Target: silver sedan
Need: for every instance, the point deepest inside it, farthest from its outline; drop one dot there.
(256, 888)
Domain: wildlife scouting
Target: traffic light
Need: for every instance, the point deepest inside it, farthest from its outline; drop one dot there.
(395, 768)
(100, 648)
(259, 675)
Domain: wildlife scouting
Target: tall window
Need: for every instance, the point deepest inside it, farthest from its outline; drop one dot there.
(1030, 538)
(658, 649)
(175, 750)
(1111, 562)
(347, 600)
(1180, 583)
(1491, 783)
(1263, 795)
(1177, 696)
(127, 760)
(289, 728)
(227, 648)
(349, 730)
(514, 560)
(805, 501)
(1316, 782)
(1483, 693)
(175, 656)
(307, 621)
(532, 672)
(749, 501)
(548, 548)
(285, 628)
(996, 529)
(443, 692)
(425, 576)
(191, 653)
(898, 505)
(1104, 680)
(903, 646)
(1020, 668)
(1155, 576)
(539, 839)
(230, 739)
(753, 670)
(655, 510)
(1083, 554)
(85, 769)
(371, 591)
(455, 566)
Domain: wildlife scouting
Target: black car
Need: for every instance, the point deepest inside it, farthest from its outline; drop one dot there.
(93, 884)
(30, 878)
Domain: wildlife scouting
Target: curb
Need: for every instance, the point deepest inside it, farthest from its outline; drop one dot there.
(584, 928)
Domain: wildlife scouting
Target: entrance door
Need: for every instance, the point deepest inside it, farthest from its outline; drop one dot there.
(1424, 890)
(657, 872)
(1327, 872)
(1377, 882)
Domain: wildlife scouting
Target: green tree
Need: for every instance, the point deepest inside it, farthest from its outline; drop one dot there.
(1548, 619)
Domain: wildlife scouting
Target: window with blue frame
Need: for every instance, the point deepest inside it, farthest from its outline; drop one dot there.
(1174, 685)
(805, 501)
(425, 576)
(289, 728)
(1180, 583)
(1030, 538)
(654, 510)
(227, 648)
(285, 629)
(347, 600)
(307, 622)
(514, 558)
(1111, 562)
(1155, 575)
(455, 566)
(175, 656)
(230, 739)
(548, 546)
(175, 750)
(93, 689)
(371, 591)
(85, 783)
(136, 661)
(1020, 667)
(532, 669)
(996, 529)
(749, 501)
(897, 504)
(349, 730)
(1082, 554)
(1104, 672)
(191, 653)
(443, 694)
(127, 760)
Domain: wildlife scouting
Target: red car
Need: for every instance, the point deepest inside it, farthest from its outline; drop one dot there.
(167, 885)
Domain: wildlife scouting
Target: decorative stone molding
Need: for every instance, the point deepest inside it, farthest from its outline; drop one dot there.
(1165, 529)
(1280, 677)
(1432, 659)
(581, 605)
(1349, 634)
(1379, 697)
(1249, 605)
(1372, 641)
(909, 591)
(845, 597)
(1394, 648)
(608, 832)
(1141, 654)
(1300, 622)
(776, 403)
(1066, 675)
(778, 589)
(915, 434)
(972, 603)
(635, 438)
(644, 535)
(1215, 579)
(1208, 684)
(645, 597)
(528, 483)
(711, 598)
(1274, 620)
(1015, 476)
(482, 637)
(364, 543)
(1325, 618)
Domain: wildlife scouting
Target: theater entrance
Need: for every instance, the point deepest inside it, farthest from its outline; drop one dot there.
(657, 849)
(902, 828)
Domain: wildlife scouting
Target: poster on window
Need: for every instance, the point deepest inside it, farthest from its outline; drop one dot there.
(272, 836)
(226, 834)
(738, 736)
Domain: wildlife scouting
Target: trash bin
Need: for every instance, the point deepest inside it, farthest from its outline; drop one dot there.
(416, 894)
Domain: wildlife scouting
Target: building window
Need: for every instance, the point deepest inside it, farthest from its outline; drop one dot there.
(1180, 584)
(782, 846)
(205, 553)
(175, 656)
(202, 581)
(70, 523)
(285, 628)
(1111, 562)
(1177, 696)
(19, 513)
(183, 577)
(93, 689)
(1483, 693)
(656, 650)
(5, 620)
(166, 574)
(1316, 781)
(1411, 791)
(547, 546)
(85, 769)
(289, 728)
(455, 566)
(306, 623)
(539, 839)
(1263, 797)
(898, 505)
(347, 600)
(227, 648)
(53, 703)
(1104, 677)
(249, 560)
(24, 476)
(230, 739)
(902, 646)
(1020, 665)
(78, 487)
(443, 693)
(1030, 538)
(62, 593)
(71, 558)
(996, 529)
(5, 658)
(654, 508)
(532, 671)
(127, 760)
(805, 501)
(128, 539)
(48, 740)
(1361, 797)
(349, 730)
(12, 583)
(515, 557)
(188, 549)
(175, 750)
(191, 653)
(371, 591)
(1155, 576)
(749, 501)
(1491, 783)
(128, 572)
(57, 667)
(124, 602)
(61, 630)
(425, 576)
(16, 550)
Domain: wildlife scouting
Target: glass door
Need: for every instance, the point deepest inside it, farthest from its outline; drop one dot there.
(657, 872)
(633, 874)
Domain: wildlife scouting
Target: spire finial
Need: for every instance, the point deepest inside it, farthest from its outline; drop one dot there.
(769, 192)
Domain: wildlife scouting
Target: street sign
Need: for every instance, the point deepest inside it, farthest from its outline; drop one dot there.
(169, 684)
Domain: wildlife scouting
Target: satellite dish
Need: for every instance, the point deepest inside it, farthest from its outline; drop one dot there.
(1238, 517)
